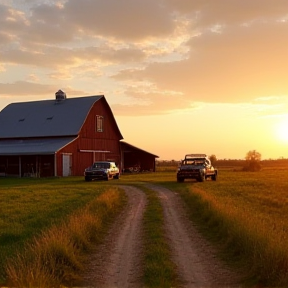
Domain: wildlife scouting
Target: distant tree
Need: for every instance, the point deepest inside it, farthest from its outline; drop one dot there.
(213, 159)
(253, 159)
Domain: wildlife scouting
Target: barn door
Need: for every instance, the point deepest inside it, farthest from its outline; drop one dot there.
(67, 162)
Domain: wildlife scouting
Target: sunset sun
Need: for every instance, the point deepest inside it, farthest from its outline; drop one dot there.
(282, 130)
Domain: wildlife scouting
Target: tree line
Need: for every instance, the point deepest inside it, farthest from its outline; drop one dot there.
(252, 162)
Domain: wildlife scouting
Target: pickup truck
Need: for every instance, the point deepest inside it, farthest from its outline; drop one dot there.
(196, 166)
(105, 170)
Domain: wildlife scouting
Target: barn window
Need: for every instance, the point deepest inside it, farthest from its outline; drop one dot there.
(99, 123)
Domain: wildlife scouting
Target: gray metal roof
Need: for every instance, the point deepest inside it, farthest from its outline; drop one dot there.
(33, 146)
(45, 118)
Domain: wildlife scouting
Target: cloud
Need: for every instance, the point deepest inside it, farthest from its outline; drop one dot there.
(4, 38)
(237, 65)
(109, 54)
(24, 88)
(63, 58)
(145, 102)
(53, 57)
(124, 20)
(48, 24)
(11, 20)
(166, 54)
(211, 12)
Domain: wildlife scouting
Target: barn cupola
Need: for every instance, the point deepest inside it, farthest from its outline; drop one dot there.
(60, 96)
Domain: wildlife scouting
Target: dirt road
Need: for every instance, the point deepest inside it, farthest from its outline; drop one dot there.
(193, 255)
(118, 261)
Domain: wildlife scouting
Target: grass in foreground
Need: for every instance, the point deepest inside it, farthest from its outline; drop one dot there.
(30, 206)
(159, 270)
(245, 214)
(55, 257)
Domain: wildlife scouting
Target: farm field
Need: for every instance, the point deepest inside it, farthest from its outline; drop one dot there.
(243, 213)
(246, 214)
(30, 206)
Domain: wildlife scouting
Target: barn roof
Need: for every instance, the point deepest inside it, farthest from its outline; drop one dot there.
(33, 146)
(46, 118)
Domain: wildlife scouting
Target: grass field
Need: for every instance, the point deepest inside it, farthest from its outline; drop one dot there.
(159, 270)
(30, 206)
(243, 213)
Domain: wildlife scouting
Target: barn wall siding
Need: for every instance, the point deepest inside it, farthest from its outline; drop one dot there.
(90, 140)
(110, 130)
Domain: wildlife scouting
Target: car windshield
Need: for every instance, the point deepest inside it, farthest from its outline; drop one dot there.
(101, 165)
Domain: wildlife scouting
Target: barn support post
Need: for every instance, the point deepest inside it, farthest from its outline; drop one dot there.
(122, 161)
(37, 167)
(20, 166)
(55, 164)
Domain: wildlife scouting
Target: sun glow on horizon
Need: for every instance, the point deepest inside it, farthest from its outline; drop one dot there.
(282, 130)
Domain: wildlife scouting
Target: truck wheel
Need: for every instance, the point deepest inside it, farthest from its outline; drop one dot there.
(180, 180)
(201, 178)
(87, 179)
(214, 177)
(117, 176)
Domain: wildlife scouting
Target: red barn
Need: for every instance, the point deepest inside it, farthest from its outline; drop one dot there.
(58, 137)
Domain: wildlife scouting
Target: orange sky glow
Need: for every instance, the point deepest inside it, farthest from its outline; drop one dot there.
(180, 76)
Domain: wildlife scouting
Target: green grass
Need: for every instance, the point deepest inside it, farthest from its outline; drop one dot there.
(159, 270)
(244, 213)
(56, 256)
(29, 206)
(50, 203)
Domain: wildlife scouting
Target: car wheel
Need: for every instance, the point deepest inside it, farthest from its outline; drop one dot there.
(117, 176)
(201, 178)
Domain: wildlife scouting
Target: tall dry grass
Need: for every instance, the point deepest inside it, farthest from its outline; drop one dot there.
(31, 205)
(245, 213)
(56, 256)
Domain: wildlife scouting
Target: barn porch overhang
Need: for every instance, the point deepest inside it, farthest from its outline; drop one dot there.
(135, 159)
(47, 146)
(126, 147)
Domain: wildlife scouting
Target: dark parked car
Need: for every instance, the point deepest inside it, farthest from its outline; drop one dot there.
(196, 166)
(105, 170)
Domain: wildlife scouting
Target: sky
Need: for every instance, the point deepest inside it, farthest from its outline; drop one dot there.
(181, 76)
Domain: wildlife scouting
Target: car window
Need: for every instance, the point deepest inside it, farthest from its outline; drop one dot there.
(101, 165)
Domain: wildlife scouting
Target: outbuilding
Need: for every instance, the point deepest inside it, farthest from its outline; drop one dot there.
(136, 159)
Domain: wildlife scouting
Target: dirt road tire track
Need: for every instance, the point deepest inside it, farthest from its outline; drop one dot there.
(194, 257)
(117, 263)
